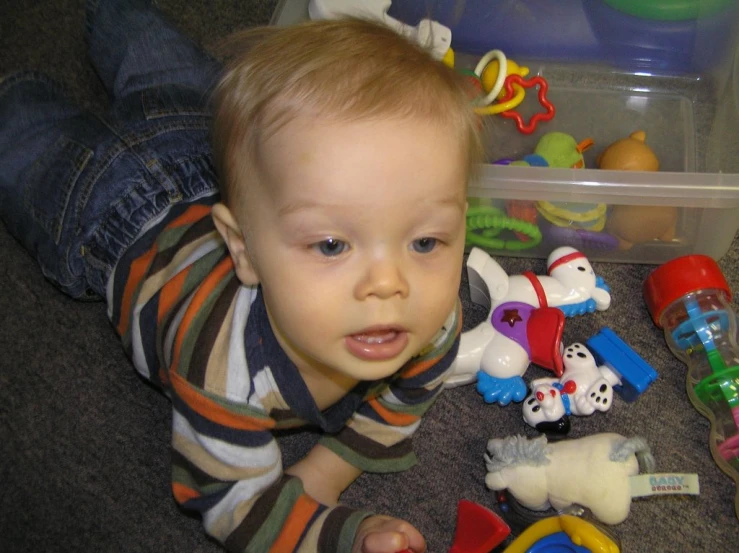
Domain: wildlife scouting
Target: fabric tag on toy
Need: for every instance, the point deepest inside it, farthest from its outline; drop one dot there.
(665, 483)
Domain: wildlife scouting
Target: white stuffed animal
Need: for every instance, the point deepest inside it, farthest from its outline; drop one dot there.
(592, 472)
(583, 389)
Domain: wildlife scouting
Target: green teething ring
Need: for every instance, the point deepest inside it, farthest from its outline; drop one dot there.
(484, 223)
(668, 10)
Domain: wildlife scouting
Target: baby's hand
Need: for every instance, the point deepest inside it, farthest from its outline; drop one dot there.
(382, 534)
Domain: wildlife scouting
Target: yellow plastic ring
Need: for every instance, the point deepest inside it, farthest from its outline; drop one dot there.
(494, 109)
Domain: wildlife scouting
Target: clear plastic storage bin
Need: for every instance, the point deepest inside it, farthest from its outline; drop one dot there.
(668, 68)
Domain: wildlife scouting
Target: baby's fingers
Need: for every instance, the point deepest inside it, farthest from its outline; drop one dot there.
(403, 538)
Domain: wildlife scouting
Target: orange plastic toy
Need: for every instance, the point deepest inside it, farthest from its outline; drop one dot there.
(636, 224)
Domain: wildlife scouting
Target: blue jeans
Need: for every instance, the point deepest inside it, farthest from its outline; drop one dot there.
(77, 188)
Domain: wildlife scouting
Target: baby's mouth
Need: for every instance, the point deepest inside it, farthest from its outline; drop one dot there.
(375, 337)
(377, 344)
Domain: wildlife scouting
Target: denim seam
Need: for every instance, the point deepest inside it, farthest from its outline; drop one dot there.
(106, 266)
(126, 144)
(28, 76)
(87, 250)
(149, 104)
(140, 186)
(81, 159)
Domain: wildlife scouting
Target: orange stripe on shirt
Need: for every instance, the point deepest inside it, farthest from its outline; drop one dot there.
(183, 493)
(191, 214)
(419, 367)
(139, 267)
(391, 417)
(136, 273)
(214, 411)
(287, 540)
(193, 309)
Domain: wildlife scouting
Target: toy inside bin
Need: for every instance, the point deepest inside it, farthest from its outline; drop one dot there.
(667, 68)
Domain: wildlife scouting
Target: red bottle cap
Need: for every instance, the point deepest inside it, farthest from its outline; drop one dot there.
(681, 276)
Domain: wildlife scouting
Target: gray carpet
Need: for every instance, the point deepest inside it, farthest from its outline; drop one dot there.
(84, 444)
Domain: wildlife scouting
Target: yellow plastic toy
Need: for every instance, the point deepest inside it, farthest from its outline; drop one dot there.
(492, 69)
(448, 58)
(580, 532)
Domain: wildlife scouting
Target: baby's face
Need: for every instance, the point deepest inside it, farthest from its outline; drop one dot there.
(356, 232)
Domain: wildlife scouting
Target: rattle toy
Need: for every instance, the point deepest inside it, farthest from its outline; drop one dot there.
(587, 384)
(497, 76)
(689, 299)
(492, 71)
(635, 224)
(592, 472)
(525, 320)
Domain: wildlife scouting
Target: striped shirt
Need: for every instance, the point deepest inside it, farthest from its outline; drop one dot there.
(196, 332)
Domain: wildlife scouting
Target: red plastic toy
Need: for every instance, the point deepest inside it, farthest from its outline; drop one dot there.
(546, 115)
(479, 530)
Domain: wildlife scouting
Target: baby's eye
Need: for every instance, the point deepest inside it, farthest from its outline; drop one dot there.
(424, 245)
(330, 247)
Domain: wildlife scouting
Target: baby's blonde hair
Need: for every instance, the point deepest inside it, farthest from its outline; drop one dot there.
(342, 70)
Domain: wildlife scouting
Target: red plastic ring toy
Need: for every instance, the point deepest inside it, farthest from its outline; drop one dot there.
(546, 115)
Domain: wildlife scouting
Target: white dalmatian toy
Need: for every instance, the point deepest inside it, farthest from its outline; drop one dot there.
(583, 388)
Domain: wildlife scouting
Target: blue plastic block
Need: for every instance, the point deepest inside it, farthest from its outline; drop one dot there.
(635, 373)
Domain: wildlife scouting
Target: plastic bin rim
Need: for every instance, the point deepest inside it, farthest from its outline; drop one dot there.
(673, 188)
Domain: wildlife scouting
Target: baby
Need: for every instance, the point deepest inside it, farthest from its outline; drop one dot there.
(280, 244)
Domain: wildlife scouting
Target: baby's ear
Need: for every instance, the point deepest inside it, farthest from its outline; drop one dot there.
(229, 230)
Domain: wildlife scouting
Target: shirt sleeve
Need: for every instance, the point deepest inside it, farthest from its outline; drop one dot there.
(173, 298)
(227, 466)
(378, 436)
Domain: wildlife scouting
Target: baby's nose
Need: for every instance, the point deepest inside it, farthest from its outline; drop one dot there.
(384, 278)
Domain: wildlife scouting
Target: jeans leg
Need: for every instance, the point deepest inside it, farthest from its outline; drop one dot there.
(134, 47)
(44, 152)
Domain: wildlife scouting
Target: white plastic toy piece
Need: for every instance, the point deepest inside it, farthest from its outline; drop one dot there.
(521, 326)
(592, 472)
(583, 389)
(430, 34)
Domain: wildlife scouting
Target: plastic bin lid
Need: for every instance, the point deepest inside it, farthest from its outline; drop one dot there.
(681, 276)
